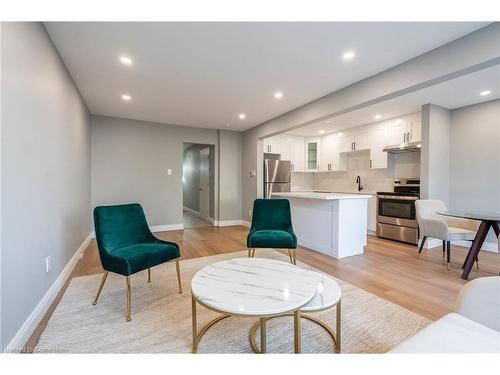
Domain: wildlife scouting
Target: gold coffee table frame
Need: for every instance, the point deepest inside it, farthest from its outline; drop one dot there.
(297, 335)
(197, 335)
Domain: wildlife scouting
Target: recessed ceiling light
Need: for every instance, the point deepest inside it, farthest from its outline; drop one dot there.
(125, 60)
(242, 116)
(321, 132)
(484, 93)
(278, 95)
(126, 97)
(399, 121)
(226, 126)
(348, 55)
(377, 117)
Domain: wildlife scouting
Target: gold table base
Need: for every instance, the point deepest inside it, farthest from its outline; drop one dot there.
(253, 332)
(262, 323)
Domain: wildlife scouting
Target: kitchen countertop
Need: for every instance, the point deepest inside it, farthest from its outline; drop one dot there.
(322, 195)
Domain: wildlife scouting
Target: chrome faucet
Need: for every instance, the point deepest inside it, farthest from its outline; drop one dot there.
(358, 181)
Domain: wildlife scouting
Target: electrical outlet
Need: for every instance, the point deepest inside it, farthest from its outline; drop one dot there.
(48, 266)
(169, 171)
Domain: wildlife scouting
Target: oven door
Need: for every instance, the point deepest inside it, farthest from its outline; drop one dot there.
(397, 210)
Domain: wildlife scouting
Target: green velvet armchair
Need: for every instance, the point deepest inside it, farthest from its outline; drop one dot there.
(272, 227)
(127, 246)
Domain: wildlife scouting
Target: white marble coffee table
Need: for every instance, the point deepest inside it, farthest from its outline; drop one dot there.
(328, 295)
(251, 287)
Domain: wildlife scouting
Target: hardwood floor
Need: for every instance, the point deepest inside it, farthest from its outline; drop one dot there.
(192, 221)
(388, 269)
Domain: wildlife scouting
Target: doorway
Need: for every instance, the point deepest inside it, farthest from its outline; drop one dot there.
(198, 185)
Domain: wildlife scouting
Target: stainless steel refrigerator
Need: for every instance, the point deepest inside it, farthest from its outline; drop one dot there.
(277, 175)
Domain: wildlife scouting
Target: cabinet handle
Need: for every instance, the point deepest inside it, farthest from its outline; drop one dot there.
(404, 137)
(409, 137)
(354, 145)
(370, 163)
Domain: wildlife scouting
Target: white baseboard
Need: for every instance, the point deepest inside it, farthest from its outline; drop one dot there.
(227, 223)
(166, 227)
(157, 228)
(24, 333)
(191, 211)
(432, 242)
(246, 223)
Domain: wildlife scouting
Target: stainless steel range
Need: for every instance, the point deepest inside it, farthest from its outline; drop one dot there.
(396, 218)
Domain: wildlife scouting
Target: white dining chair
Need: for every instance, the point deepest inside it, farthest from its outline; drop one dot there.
(446, 229)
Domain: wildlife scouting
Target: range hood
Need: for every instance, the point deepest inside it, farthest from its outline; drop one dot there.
(403, 147)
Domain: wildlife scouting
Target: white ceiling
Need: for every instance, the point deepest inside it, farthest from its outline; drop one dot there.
(451, 94)
(205, 74)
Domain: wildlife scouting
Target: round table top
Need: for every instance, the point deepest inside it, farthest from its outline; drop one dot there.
(327, 294)
(474, 215)
(254, 286)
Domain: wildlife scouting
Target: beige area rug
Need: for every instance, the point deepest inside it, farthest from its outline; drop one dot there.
(161, 318)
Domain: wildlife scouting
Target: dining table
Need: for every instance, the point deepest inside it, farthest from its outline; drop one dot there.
(488, 220)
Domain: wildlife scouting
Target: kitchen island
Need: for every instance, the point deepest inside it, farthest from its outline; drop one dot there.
(334, 224)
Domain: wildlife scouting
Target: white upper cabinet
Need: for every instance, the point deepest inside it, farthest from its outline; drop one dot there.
(331, 152)
(377, 139)
(331, 146)
(402, 131)
(312, 154)
(354, 141)
(292, 148)
(415, 131)
(398, 132)
(272, 145)
(289, 147)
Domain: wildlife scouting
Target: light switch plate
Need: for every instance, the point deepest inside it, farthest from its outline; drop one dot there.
(169, 171)
(48, 266)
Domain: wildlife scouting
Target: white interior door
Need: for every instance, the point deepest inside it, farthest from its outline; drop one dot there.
(205, 183)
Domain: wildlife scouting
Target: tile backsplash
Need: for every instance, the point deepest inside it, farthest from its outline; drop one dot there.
(373, 180)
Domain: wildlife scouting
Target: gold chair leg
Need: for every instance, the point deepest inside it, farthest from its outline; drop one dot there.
(253, 253)
(294, 253)
(194, 323)
(296, 331)
(290, 256)
(104, 277)
(129, 302)
(177, 268)
(149, 275)
(249, 253)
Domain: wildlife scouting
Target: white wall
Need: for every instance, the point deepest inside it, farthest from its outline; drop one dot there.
(230, 175)
(45, 171)
(475, 158)
(435, 167)
(130, 160)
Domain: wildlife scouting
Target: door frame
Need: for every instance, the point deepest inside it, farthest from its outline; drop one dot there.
(205, 207)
